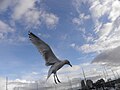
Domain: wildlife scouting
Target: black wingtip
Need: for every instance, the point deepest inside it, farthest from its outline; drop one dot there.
(29, 32)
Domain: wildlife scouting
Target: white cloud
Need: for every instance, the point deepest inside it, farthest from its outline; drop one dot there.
(76, 21)
(72, 45)
(14, 83)
(7, 34)
(108, 37)
(114, 14)
(70, 69)
(2, 83)
(29, 14)
(109, 57)
(44, 35)
(50, 19)
(4, 4)
(20, 38)
(99, 8)
(32, 16)
(106, 31)
(21, 7)
(77, 3)
(35, 73)
(26, 13)
(79, 20)
(4, 30)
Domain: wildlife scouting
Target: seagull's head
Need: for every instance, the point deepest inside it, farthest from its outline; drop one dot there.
(67, 62)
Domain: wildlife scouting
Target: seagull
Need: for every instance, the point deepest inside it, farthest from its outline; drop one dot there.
(49, 56)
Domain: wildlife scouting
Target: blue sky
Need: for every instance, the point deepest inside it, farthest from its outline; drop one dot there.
(76, 30)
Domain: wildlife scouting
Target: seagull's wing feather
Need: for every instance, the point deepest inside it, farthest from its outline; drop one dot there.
(44, 49)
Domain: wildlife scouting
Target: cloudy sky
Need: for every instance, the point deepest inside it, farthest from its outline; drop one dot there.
(82, 31)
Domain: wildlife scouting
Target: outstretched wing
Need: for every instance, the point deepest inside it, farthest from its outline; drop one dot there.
(44, 49)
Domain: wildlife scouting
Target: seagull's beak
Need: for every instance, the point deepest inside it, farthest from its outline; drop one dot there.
(70, 65)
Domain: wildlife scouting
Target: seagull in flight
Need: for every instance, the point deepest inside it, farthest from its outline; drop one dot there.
(49, 56)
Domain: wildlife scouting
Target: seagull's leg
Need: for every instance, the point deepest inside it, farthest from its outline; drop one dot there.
(57, 78)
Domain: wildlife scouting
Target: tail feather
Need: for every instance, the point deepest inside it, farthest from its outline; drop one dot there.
(48, 76)
(49, 73)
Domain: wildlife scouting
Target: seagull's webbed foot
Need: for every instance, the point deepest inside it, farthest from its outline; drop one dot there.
(57, 78)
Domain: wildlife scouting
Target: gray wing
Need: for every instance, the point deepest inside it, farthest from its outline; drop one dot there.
(44, 49)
